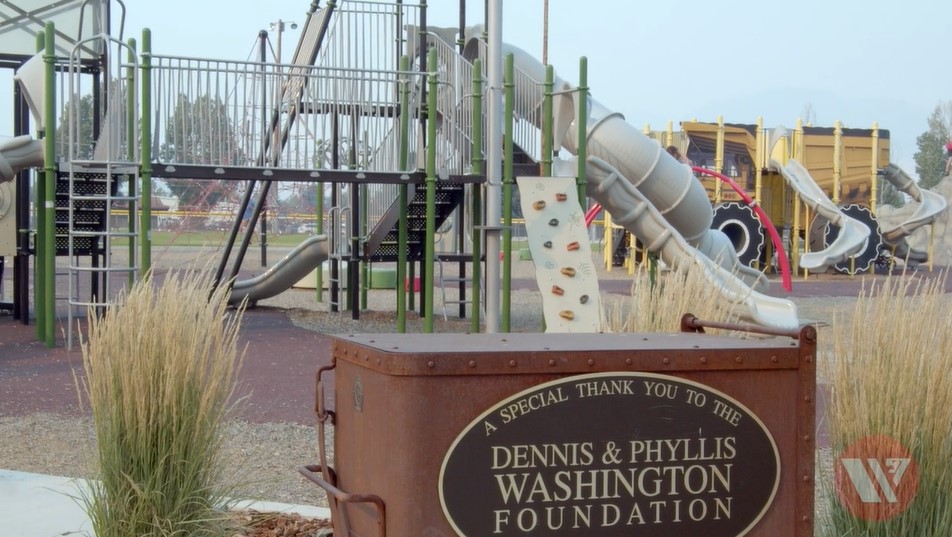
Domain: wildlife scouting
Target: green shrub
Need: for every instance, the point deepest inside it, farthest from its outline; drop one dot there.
(889, 377)
(160, 376)
(658, 306)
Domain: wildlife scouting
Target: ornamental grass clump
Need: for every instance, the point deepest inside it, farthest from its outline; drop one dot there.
(160, 376)
(657, 306)
(890, 414)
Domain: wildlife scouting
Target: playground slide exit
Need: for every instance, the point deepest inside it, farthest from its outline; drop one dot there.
(283, 274)
(853, 233)
(931, 205)
(648, 191)
(18, 153)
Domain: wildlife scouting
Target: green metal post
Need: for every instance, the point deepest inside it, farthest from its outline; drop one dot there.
(319, 230)
(130, 150)
(404, 194)
(477, 191)
(49, 202)
(582, 153)
(507, 179)
(547, 127)
(411, 288)
(145, 154)
(366, 267)
(430, 192)
(39, 282)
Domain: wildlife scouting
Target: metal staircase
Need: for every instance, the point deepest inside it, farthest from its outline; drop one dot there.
(382, 244)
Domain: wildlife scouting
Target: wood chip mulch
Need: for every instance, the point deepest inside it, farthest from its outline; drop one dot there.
(253, 523)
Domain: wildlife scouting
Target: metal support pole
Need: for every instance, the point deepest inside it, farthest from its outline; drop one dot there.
(39, 282)
(547, 120)
(477, 191)
(760, 160)
(145, 154)
(430, 194)
(719, 160)
(582, 153)
(874, 169)
(49, 202)
(493, 165)
(21, 260)
(404, 197)
(837, 160)
(509, 90)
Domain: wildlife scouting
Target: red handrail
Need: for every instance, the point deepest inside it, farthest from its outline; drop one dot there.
(764, 220)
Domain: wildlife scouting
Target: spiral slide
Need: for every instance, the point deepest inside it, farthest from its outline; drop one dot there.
(654, 196)
(931, 205)
(283, 274)
(852, 235)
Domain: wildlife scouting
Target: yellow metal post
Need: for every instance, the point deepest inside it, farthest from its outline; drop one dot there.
(760, 160)
(806, 242)
(837, 163)
(631, 254)
(795, 235)
(609, 239)
(719, 158)
(931, 246)
(797, 150)
(874, 168)
(669, 134)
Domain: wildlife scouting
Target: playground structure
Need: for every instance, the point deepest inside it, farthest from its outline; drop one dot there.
(811, 182)
(398, 134)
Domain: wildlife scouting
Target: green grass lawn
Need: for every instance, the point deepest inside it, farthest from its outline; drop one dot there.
(211, 238)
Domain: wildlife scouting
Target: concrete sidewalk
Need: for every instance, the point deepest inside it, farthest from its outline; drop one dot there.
(37, 505)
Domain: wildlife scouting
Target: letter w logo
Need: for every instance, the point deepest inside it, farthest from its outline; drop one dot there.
(865, 474)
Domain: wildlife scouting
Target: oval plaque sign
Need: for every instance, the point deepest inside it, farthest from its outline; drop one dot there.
(611, 454)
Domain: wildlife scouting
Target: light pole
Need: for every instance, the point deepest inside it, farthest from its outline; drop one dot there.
(279, 26)
(545, 32)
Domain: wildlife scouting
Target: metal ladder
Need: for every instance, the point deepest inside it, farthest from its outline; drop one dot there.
(102, 177)
(92, 232)
(461, 283)
(339, 248)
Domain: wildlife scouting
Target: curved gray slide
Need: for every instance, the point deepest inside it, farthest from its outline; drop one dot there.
(668, 185)
(18, 153)
(283, 274)
(652, 195)
(931, 205)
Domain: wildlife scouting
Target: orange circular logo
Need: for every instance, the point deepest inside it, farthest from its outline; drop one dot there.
(876, 478)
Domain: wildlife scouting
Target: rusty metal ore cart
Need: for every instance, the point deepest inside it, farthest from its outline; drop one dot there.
(568, 434)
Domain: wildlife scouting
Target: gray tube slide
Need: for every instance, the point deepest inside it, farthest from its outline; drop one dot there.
(654, 196)
(19, 153)
(931, 205)
(631, 208)
(853, 234)
(667, 184)
(283, 274)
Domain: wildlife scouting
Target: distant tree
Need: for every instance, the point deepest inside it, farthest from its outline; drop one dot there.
(808, 115)
(930, 160)
(889, 195)
(82, 136)
(200, 132)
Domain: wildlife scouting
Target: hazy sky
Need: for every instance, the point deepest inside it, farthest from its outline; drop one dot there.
(852, 60)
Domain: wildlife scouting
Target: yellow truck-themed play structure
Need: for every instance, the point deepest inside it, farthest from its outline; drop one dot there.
(819, 186)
